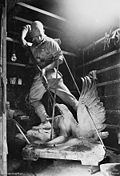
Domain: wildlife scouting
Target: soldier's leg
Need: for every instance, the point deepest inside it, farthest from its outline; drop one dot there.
(40, 111)
(36, 93)
(63, 92)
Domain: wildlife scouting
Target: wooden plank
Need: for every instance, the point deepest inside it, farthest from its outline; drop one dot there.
(108, 68)
(69, 53)
(97, 52)
(104, 78)
(101, 40)
(113, 117)
(42, 11)
(107, 62)
(12, 40)
(99, 48)
(110, 75)
(1, 147)
(116, 127)
(100, 58)
(4, 89)
(1, 130)
(108, 83)
(87, 152)
(111, 102)
(19, 65)
(109, 89)
(29, 22)
(102, 66)
(111, 140)
(64, 52)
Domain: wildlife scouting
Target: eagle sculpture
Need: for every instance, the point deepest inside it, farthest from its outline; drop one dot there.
(91, 112)
(90, 115)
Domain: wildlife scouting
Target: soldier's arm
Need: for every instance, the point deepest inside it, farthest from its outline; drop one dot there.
(56, 54)
(25, 31)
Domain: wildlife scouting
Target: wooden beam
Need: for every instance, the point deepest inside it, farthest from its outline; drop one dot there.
(64, 52)
(41, 11)
(29, 22)
(113, 126)
(12, 40)
(69, 53)
(3, 143)
(113, 111)
(19, 65)
(94, 43)
(22, 20)
(108, 83)
(101, 39)
(108, 68)
(100, 58)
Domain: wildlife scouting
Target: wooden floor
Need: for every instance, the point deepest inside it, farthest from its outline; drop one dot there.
(45, 167)
(66, 168)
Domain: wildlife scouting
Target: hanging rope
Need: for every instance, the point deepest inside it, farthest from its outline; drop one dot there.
(72, 76)
(95, 128)
(54, 102)
(85, 106)
(83, 63)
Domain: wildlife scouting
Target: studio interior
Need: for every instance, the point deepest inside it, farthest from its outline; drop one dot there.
(60, 87)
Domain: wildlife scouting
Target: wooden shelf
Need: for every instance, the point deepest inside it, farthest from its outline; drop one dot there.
(20, 65)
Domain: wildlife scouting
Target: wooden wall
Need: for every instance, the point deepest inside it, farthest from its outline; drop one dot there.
(104, 56)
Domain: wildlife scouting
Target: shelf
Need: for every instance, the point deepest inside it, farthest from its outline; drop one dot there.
(20, 65)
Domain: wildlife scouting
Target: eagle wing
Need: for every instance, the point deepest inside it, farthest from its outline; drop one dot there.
(91, 112)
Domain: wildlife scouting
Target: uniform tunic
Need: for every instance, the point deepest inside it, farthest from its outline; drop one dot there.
(44, 54)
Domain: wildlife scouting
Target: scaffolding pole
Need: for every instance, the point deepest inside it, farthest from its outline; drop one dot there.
(3, 54)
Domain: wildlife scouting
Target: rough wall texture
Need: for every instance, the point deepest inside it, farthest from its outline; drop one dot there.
(104, 56)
